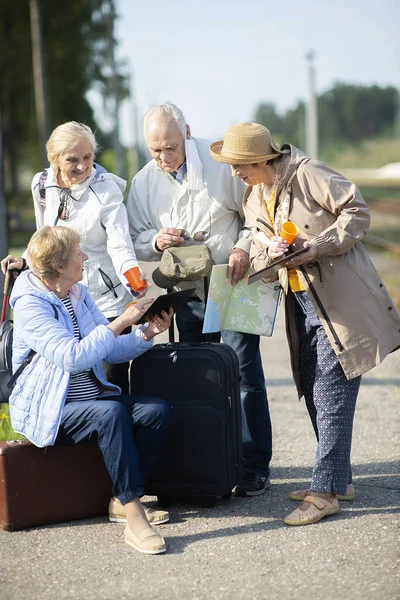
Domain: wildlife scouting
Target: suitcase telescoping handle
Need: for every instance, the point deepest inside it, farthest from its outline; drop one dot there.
(171, 330)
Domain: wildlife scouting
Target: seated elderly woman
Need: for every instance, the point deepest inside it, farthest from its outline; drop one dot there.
(62, 396)
(340, 320)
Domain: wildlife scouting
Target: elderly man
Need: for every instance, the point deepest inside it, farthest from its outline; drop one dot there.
(183, 188)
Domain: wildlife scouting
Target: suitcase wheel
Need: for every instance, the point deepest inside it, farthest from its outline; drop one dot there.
(208, 501)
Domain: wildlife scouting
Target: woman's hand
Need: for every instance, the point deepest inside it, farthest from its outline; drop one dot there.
(277, 247)
(11, 262)
(133, 312)
(306, 257)
(143, 292)
(157, 325)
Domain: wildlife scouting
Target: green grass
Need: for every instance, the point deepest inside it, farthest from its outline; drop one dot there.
(373, 193)
(6, 431)
(369, 154)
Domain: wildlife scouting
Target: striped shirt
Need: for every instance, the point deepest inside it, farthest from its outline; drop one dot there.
(82, 386)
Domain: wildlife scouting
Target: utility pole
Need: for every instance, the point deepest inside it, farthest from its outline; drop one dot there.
(311, 110)
(134, 152)
(39, 78)
(397, 118)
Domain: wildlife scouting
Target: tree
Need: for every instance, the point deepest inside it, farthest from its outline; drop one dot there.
(266, 115)
(352, 113)
(346, 114)
(73, 32)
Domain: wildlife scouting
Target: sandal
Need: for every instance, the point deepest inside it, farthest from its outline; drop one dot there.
(318, 509)
(117, 514)
(301, 494)
(146, 542)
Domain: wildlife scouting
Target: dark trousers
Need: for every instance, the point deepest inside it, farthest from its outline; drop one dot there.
(256, 421)
(330, 398)
(118, 374)
(130, 432)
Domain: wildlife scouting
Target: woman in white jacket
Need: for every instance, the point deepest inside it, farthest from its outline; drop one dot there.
(74, 192)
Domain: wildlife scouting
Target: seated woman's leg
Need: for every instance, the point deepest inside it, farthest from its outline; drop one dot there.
(110, 422)
(151, 418)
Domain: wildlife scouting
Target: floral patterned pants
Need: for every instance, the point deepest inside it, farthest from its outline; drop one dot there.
(330, 399)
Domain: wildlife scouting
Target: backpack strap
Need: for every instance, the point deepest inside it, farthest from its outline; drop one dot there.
(42, 180)
(42, 189)
(99, 170)
(26, 360)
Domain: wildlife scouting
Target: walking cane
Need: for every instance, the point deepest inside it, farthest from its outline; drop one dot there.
(6, 291)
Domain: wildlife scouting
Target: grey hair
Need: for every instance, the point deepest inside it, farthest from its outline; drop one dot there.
(169, 110)
(50, 249)
(65, 136)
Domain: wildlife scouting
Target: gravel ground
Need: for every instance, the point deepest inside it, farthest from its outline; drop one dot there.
(241, 549)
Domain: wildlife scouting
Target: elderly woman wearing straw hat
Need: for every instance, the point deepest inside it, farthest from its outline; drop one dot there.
(340, 320)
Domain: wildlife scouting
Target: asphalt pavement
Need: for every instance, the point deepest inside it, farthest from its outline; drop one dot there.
(241, 549)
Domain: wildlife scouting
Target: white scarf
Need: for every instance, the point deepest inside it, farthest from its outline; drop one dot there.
(78, 189)
(194, 166)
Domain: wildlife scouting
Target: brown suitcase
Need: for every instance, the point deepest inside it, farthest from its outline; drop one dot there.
(39, 486)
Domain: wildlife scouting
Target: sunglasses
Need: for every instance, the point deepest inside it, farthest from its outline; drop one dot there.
(111, 287)
(200, 236)
(63, 209)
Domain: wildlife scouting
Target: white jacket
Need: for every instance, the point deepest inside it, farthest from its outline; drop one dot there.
(98, 213)
(157, 200)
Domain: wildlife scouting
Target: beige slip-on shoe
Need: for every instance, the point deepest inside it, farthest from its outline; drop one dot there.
(116, 514)
(301, 494)
(318, 509)
(146, 542)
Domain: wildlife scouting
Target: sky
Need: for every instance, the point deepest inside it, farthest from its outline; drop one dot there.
(218, 59)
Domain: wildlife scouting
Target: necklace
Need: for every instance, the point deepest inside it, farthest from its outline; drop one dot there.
(268, 194)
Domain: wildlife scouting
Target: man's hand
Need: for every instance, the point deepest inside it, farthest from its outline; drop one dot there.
(238, 265)
(167, 237)
(306, 257)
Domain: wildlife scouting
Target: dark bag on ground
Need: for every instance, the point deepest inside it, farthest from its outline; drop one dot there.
(6, 339)
(6, 336)
(202, 456)
(7, 378)
(40, 486)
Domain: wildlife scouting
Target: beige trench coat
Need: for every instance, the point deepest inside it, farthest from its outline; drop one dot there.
(350, 298)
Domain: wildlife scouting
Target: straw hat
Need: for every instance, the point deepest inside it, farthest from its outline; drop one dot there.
(245, 144)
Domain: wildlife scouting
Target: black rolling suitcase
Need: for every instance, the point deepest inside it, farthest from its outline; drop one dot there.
(203, 453)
